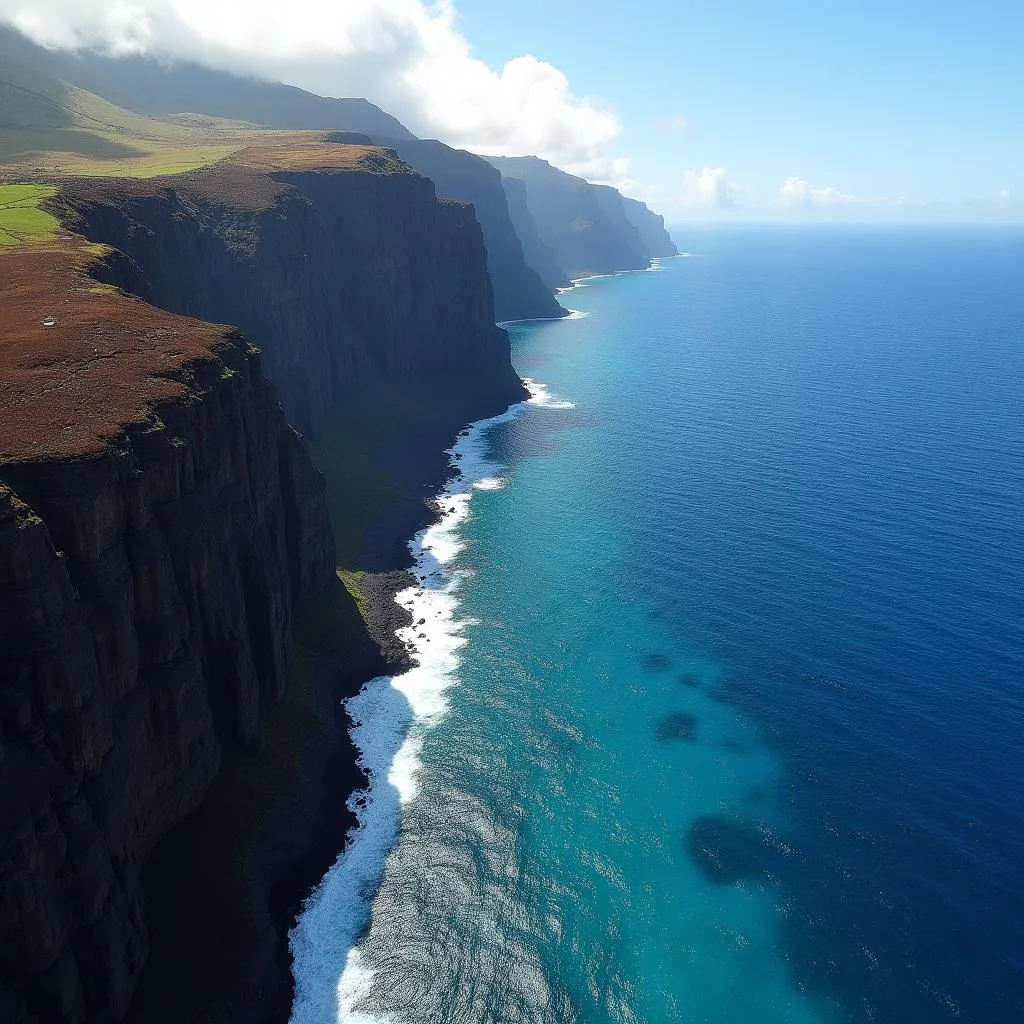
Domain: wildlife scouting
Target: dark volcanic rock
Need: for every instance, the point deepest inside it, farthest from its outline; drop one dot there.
(346, 272)
(520, 293)
(537, 252)
(147, 580)
(160, 521)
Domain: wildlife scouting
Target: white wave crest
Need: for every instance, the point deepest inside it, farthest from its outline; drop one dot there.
(539, 395)
(490, 483)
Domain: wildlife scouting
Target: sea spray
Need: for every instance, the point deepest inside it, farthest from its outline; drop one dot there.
(390, 715)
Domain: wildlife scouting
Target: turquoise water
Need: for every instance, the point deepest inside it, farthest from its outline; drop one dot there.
(722, 666)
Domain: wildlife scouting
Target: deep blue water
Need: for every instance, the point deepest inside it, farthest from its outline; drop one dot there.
(736, 731)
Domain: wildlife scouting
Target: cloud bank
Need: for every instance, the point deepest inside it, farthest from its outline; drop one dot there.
(795, 193)
(407, 56)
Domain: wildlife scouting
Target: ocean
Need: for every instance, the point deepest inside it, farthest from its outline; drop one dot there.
(719, 708)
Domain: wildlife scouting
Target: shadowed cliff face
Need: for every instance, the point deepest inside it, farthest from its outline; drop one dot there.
(519, 291)
(342, 277)
(651, 227)
(583, 224)
(148, 575)
(537, 252)
(612, 205)
(160, 520)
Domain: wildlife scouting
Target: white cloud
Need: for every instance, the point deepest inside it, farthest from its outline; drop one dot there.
(1004, 197)
(795, 193)
(405, 55)
(709, 187)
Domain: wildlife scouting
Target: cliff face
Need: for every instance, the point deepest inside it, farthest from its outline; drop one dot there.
(536, 251)
(580, 222)
(157, 88)
(612, 205)
(519, 292)
(344, 273)
(651, 226)
(159, 520)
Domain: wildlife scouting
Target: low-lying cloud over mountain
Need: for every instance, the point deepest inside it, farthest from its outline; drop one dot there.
(407, 56)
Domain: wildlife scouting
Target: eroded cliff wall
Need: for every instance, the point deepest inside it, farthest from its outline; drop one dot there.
(159, 521)
(583, 224)
(651, 226)
(537, 252)
(343, 274)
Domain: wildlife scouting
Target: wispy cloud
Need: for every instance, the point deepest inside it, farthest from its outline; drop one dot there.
(675, 124)
(796, 193)
(709, 187)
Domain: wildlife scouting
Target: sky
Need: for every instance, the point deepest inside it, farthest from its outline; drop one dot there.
(906, 110)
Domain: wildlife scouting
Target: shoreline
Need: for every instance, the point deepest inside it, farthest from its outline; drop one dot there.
(389, 714)
(224, 922)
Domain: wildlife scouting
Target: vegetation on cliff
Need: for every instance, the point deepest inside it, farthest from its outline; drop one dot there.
(21, 219)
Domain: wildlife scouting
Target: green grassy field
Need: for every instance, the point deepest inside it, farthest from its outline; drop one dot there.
(63, 130)
(20, 217)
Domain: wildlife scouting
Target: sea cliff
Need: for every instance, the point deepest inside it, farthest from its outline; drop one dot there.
(339, 261)
(584, 225)
(159, 522)
(167, 557)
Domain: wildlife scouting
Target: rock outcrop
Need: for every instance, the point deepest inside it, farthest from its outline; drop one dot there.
(159, 520)
(338, 261)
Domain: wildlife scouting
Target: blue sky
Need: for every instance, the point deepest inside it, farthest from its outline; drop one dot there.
(724, 109)
(912, 100)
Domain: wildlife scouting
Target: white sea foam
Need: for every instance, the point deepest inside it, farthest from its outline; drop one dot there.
(391, 716)
(581, 282)
(539, 395)
(490, 483)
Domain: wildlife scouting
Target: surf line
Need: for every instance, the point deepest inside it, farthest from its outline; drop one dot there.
(391, 715)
